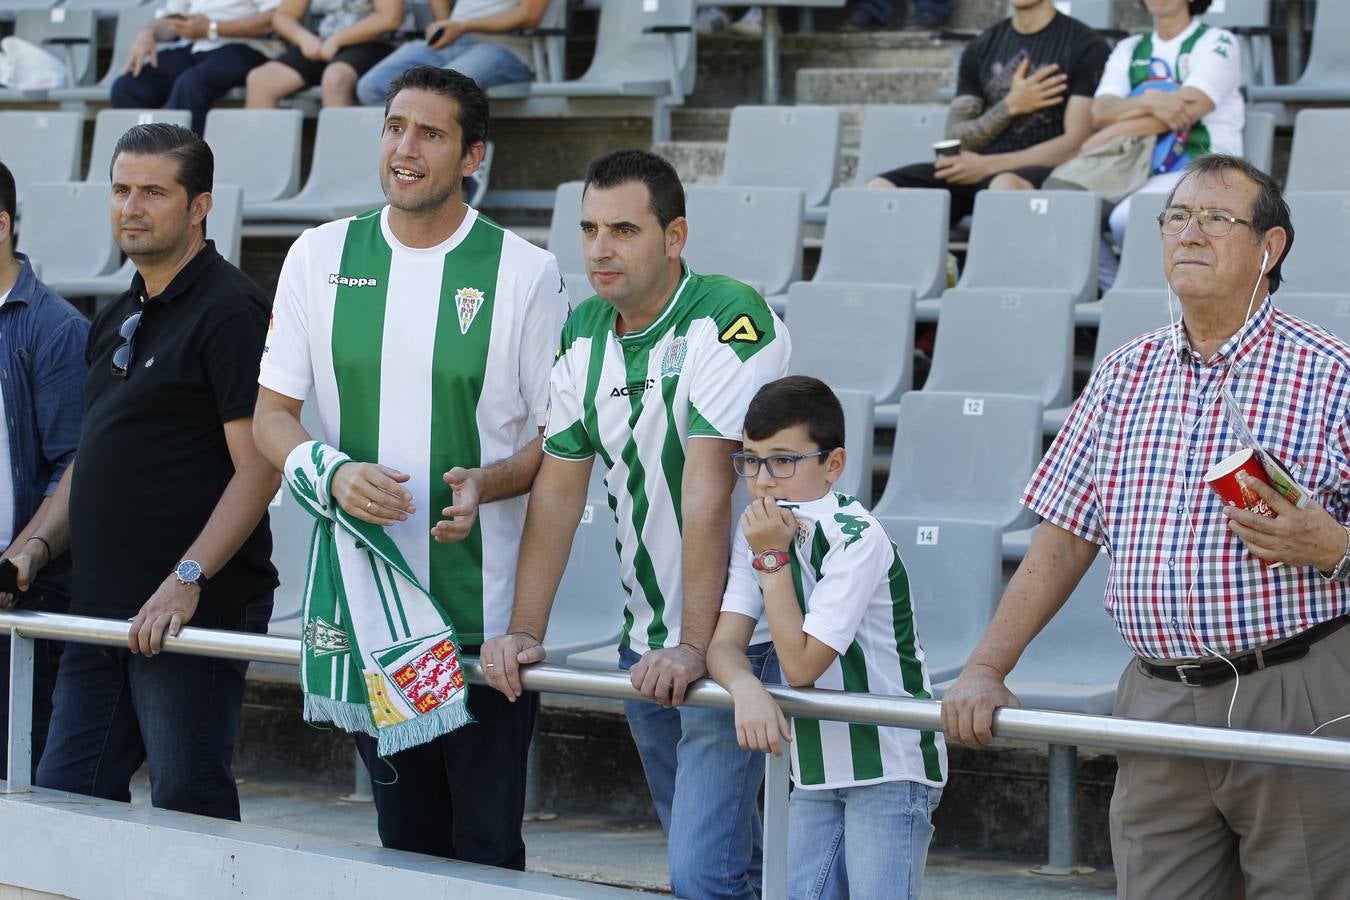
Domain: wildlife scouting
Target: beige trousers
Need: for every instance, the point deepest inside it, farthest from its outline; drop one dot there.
(1198, 828)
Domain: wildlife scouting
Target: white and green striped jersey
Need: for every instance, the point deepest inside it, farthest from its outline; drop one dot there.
(423, 360)
(854, 595)
(635, 401)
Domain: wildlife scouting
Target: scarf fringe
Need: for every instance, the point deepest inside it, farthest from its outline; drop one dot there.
(423, 729)
(353, 717)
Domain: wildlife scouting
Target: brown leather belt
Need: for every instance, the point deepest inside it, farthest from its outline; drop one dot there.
(1217, 671)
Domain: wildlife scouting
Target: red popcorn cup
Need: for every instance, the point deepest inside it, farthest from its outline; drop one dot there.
(1222, 479)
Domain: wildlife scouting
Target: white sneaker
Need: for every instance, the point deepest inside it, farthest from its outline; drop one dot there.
(711, 20)
(751, 24)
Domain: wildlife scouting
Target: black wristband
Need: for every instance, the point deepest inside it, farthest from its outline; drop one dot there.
(44, 543)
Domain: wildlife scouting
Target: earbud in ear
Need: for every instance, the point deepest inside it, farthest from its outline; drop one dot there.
(1265, 258)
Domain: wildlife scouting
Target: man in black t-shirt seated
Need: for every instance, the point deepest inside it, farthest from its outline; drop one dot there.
(1023, 104)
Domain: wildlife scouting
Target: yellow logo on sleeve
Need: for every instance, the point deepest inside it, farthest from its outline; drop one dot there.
(741, 331)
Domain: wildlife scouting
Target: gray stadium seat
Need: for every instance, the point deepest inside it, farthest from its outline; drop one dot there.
(1141, 261)
(588, 607)
(1249, 20)
(752, 234)
(65, 226)
(1258, 138)
(111, 124)
(40, 146)
(1006, 342)
(345, 175)
(632, 60)
(853, 336)
(12, 8)
(564, 230)
(963, 456)
(1092, 13)
(1331, 311)
(1034, 239)
(1317, 156)
(857, 478)
(1318, 262)
(1326, 78)
(784, 146)
(266, 169)
(887, 237)
(897, 135)
(130, 21)
(71, 35)
(955, 577)
(578, 287)
(548, 50)
(1126, 314)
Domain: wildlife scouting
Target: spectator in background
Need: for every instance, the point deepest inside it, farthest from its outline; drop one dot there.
(872, 15)
(165, 507)
(1222, 638)
(712, 19)
(213, 45)
(474, 38)
(349, 38)
(1022, 104)
(42, 341)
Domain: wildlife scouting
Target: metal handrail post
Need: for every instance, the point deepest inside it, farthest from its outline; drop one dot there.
(775, 856)
(19, 753)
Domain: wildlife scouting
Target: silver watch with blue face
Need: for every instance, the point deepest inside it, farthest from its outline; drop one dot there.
(189, 571)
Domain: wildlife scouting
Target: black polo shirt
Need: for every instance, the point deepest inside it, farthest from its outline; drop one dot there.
(152, 461)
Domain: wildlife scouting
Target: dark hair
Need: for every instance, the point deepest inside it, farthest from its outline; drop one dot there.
(196, 163)
(9, 201)
(470, 101)
(1196, 7)
(1269, 211)
(796, 400)
(663, 184)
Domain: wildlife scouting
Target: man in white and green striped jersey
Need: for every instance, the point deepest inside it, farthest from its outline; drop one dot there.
(821, 571)
(425, 333)
(654, 377)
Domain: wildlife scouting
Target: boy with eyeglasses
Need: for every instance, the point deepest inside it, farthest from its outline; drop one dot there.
(833, 588)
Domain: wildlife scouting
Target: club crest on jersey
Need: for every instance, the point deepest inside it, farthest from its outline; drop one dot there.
(467, 301)
(673, 360)
(803, 534)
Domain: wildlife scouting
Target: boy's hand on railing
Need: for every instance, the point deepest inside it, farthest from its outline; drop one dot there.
(969, 704)
(502, 657)
(760, 724)
(172, 606)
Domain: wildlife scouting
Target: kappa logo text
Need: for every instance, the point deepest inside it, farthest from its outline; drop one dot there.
(635, 389)
(348, 281)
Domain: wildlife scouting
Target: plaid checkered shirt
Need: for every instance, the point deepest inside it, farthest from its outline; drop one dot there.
(1126, 472)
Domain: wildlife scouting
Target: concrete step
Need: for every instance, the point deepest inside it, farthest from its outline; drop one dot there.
(900, 84)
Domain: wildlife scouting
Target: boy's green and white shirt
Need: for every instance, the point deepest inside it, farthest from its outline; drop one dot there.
(635, 401)
(854, 594)
(423, 360)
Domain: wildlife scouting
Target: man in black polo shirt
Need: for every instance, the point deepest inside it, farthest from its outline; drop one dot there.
(164, 507)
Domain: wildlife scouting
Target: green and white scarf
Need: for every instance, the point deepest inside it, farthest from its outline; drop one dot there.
(379, 653)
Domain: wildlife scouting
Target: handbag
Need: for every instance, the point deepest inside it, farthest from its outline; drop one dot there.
(26, 66)
(1114, 170)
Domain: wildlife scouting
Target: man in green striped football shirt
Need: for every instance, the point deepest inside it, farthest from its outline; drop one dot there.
(653, 377)
(425, 333)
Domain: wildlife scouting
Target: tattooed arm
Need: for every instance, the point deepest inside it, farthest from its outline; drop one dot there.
(976, 128)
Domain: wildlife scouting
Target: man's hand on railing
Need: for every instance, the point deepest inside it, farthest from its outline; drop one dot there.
(172, 606)
(30, 557)
(969, 704)
(664, 675)
(502, 658)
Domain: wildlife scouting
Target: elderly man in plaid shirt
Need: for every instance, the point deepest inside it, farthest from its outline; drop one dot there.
(1222, 638)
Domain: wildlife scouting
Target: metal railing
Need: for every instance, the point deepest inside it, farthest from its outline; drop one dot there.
(1055, 728)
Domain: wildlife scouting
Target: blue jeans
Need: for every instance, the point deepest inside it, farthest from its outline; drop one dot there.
(113, 710)
(187, 80)
(887, 826)
(483, 61)
(705, 787)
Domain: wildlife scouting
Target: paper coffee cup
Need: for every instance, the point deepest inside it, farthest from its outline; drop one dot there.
(947, 148)
(1223, 480)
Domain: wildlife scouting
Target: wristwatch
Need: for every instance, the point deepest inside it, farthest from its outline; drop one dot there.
(770, 561)
(189, 571)
(213, 30)
(1342, 570)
